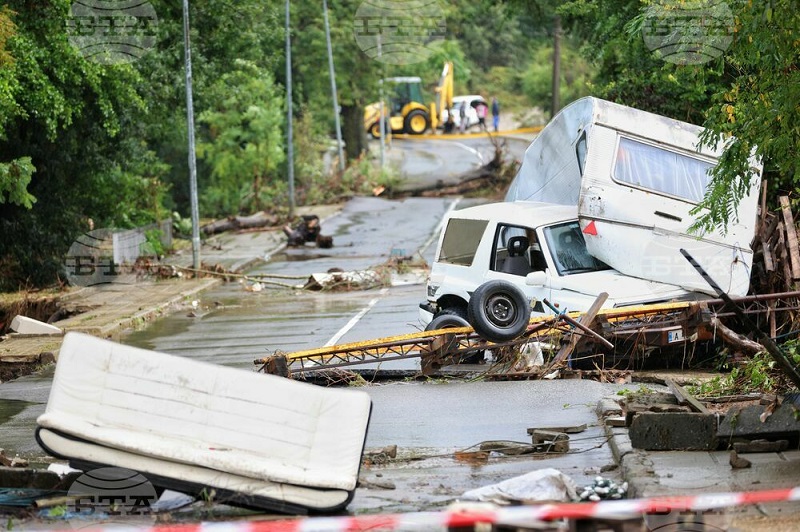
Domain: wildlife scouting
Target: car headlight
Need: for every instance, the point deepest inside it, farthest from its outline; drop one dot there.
(432, 288)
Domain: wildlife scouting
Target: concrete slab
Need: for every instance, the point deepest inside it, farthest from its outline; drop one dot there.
(26, 325)
(662, 431)
(753, 422)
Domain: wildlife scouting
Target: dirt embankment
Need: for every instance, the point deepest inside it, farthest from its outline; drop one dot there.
(44, 307)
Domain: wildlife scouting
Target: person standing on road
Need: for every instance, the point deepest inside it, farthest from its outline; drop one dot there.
(495, 113)
(481, 109)
(462, 111)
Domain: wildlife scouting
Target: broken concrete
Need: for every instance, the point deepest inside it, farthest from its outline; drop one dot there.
(753, 422)
(668, 431)
(555, 442)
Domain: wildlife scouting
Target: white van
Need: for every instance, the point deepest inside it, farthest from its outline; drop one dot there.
(634, 177)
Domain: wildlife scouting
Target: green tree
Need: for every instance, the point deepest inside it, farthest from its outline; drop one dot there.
(77, 124)
(15, 176)
(627, 72)
(537, 81)
(757, 113)
(244, 145)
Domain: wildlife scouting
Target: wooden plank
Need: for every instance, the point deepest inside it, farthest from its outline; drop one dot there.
(781, 245)
(586, 319)
(762, 212)
(685, 398)
(769, 229)
(773, 329)
(769, 264)
(791, 237)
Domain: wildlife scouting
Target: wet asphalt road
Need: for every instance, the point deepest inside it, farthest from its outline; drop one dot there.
(232, 326)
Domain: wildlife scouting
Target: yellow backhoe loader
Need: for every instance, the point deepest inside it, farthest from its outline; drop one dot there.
(404, 111)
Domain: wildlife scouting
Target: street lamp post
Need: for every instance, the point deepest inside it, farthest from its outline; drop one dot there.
(289, 131)
(190, 130)
(332, 74)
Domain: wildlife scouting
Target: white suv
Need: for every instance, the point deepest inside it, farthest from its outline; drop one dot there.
(496, 263)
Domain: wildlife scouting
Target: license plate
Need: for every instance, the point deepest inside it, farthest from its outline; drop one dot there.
(675, 336)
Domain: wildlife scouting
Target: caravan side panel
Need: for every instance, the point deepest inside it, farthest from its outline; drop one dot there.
(635, 212)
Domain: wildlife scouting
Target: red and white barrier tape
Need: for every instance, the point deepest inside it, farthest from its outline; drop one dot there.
(498, 515)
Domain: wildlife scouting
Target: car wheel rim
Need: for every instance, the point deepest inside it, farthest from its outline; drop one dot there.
(500, 310)
(418, 124)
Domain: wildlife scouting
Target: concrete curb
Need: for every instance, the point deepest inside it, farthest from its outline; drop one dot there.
(158, 309)
(636, 469)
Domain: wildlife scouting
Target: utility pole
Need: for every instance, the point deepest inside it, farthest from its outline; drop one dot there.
(381, 123)
(190, 127)
(289, 132)
(556, 102)
(333, 87)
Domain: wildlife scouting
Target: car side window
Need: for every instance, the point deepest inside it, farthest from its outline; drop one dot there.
(517, 251)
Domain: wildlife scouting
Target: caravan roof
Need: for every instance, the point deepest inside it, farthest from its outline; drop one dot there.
(550, 170)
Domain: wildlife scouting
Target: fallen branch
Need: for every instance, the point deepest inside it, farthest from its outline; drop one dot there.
(234, 223)
(735, 339)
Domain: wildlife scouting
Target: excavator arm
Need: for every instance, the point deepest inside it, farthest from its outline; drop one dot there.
(444, 94)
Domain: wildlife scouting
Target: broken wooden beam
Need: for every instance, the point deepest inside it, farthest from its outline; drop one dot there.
(685, 398)
(791, 237)
(735, 339)
(584, 323)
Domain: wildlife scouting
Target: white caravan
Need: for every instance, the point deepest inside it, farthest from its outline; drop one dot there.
(634, 177)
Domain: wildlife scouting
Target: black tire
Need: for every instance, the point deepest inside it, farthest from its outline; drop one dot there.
(448, 318)
(498, 311)
(456, 317)
(416, 122)
(374, 130)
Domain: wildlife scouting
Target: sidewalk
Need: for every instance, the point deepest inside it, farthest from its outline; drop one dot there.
(671, 473)
(108, 310)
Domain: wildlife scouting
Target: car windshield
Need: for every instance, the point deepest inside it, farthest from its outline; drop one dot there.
(569, 250)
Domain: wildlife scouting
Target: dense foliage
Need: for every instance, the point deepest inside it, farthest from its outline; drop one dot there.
(84, 144)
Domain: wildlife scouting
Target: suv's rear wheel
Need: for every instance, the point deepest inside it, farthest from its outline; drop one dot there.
(498, 311)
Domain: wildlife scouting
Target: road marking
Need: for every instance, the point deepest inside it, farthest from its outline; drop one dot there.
(355, 319)
(473, 151)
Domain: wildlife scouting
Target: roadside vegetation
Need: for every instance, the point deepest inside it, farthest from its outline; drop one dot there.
(87, 145)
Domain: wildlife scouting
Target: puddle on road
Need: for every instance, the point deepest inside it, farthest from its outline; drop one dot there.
(10, 408)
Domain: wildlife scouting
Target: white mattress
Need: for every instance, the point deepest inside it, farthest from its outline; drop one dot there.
(222, 423)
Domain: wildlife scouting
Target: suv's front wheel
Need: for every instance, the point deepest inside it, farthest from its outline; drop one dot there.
(452, 317)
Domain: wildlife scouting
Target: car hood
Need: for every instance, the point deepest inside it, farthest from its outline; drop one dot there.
(623, 289)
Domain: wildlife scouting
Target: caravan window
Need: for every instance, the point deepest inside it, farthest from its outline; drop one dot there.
(660, 170)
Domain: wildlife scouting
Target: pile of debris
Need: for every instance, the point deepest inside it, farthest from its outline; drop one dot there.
(307, 230)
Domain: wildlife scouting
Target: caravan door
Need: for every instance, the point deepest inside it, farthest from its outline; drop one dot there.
(634, 210)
